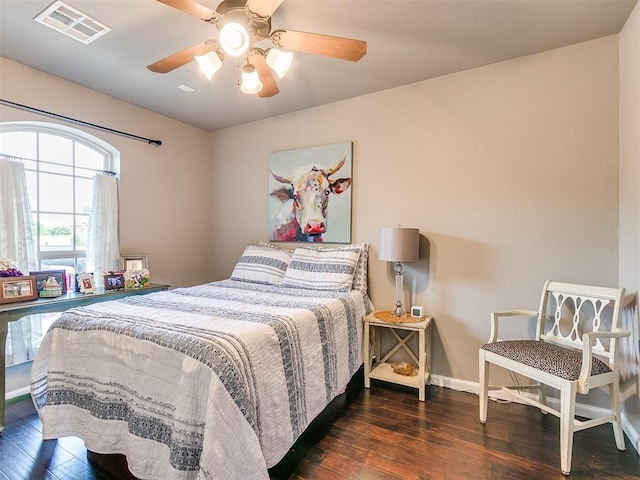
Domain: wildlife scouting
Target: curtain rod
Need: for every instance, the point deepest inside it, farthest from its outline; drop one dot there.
(80, 122)
(18, 158)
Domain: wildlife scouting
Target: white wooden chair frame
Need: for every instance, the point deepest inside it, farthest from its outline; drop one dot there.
(590, 343)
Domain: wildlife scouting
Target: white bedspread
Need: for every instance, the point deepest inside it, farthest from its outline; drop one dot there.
(212, 381)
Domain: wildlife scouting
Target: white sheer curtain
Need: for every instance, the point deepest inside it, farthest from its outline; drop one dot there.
(17, 242)
(103, 251)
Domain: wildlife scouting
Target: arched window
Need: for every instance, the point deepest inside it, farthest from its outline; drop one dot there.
(60, 164)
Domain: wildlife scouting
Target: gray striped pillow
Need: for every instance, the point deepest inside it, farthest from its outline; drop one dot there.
(261, 265)
(329, 269)
(360, 276)
(360, 280)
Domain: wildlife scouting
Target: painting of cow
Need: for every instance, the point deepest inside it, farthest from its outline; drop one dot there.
(302, 182)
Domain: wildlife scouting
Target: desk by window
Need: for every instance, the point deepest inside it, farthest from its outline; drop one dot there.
(10, 312)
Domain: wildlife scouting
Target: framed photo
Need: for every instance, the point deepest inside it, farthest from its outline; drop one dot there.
(319, 179)
(17, 289)
(86, 283)
(113, 281)
(43, 276)
(134, 261)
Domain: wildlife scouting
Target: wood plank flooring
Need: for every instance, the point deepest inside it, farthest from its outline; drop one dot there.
(382, 433)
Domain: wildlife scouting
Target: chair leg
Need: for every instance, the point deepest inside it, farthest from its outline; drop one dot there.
(542, 395)
(614, 399)
(484, 387)
(567, 417)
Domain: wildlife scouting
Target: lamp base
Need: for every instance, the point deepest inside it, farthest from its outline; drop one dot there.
(399, 311)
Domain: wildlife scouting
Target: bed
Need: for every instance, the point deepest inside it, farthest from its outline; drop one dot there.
(211, 381)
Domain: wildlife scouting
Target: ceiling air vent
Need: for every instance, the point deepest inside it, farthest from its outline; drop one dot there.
(71, 22)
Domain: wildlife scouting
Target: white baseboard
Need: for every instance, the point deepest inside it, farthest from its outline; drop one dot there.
(582, 410)
(20, 392)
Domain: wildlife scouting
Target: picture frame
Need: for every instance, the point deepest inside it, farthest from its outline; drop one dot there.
(43, 275)
(134, 261)
(18, 289)
(319, 178)
(86, 283)
(114, 281)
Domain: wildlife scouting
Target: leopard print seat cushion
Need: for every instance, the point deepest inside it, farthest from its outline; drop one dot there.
(548, 357)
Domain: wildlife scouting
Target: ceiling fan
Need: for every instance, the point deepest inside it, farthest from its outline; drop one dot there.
(242, 24)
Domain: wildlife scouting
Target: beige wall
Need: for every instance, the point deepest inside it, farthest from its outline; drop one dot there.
(630, 152)
(630, 178)
(164, 191)
(510, 171)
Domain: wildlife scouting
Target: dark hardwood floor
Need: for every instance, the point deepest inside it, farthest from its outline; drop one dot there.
(382, 433)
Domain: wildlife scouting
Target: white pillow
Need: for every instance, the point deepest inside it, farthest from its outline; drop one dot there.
(360, 281)
(277, 247)
(322, 268)
(261, 265)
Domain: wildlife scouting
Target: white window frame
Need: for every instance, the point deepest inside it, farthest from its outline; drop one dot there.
(111, 163)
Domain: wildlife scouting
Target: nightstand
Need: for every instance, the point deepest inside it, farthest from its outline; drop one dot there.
(403, 330)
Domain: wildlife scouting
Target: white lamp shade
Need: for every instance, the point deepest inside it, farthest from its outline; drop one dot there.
(209, 63)
(279, 61)
(399, 244)
(250, 80)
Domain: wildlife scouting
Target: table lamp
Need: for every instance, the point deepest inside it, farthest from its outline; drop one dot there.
(399, 245)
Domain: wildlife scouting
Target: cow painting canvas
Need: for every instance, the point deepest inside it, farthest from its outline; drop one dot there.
(310, 194)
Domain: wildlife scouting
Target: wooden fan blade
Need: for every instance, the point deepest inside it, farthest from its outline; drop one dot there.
(263, 8)
(190, 7)
(183, 57)
(336, 47)
(269, 85)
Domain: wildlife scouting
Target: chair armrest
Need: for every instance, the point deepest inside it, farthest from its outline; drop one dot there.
(629, 299)
(495, 317)
(587, 342)
(618, 333)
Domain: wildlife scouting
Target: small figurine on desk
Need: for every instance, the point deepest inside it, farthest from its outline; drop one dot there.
(50, 288)
(136, 278)
(8, 268)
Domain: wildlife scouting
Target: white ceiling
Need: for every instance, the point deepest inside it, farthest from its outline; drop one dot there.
(407, 41)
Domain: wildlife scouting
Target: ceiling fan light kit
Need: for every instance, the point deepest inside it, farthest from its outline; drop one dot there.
(279, 60)
(209, 63)
(234, 39)
(243, 24)
(250, 80)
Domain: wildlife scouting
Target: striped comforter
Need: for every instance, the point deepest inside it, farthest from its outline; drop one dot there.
(212, 381)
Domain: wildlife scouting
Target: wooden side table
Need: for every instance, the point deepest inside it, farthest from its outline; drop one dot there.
(379, 368)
